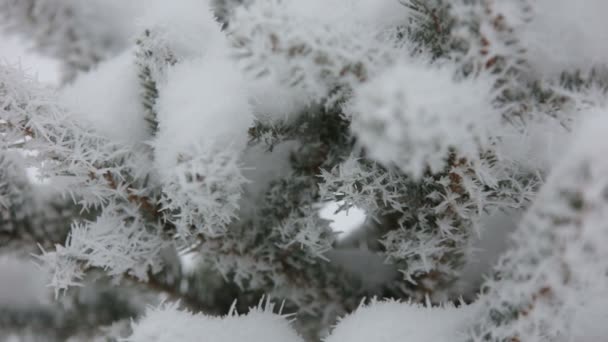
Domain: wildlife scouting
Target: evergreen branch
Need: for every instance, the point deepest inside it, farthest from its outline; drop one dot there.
(152, 58)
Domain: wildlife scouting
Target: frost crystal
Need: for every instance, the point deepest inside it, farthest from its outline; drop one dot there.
(202, 192)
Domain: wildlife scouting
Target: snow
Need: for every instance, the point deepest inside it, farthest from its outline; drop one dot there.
(191, 32)
(375, 13)
(537, 146)
(413, 114)
(566, 35)
(394, 321)
(205, 101)
(190, 29)
(305, 47)
(557, 266)
(404, 113)
(168, 324)
(108, 99)
(204, 116)
(272, 102)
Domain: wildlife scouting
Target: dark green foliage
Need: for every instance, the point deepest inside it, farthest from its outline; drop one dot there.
(431, 30)
(148, 56)
(81, 313)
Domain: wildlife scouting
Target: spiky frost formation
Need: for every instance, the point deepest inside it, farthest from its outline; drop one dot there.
(92, 171)
(153, 56)
(201, 173)
(564, 28)
(559, 260)
(366, 185)
(201, 194)
(405, 109)
(426, 226)
(102, 244)
(30, 117)
(308, 231)
(29, 213)
(79, 156)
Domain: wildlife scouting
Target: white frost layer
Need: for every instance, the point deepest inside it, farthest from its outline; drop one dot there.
(556, 270)
(413, 114)
(189, 28)
(205, 103)
(108, 98)
(168, 324)
(566, 35)
(379, 13)
(537, 146)
(394, 321)
(273, 102)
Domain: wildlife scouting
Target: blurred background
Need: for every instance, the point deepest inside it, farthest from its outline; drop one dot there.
(15, 51)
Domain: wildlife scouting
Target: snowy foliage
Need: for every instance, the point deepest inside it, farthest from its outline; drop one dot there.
(193, 129)
(580, 30)
(394, 321)
(117, 80)
(167, 324)
(545, 280)
(294, 43)
(377, 321)
(81, 36)
(193, 144)
(114, 236)
(413, 116)
(203, 191)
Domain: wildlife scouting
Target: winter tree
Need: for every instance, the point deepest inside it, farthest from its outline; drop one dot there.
(184, 181)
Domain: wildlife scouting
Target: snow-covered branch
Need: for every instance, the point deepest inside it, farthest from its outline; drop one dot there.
(78, 35)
